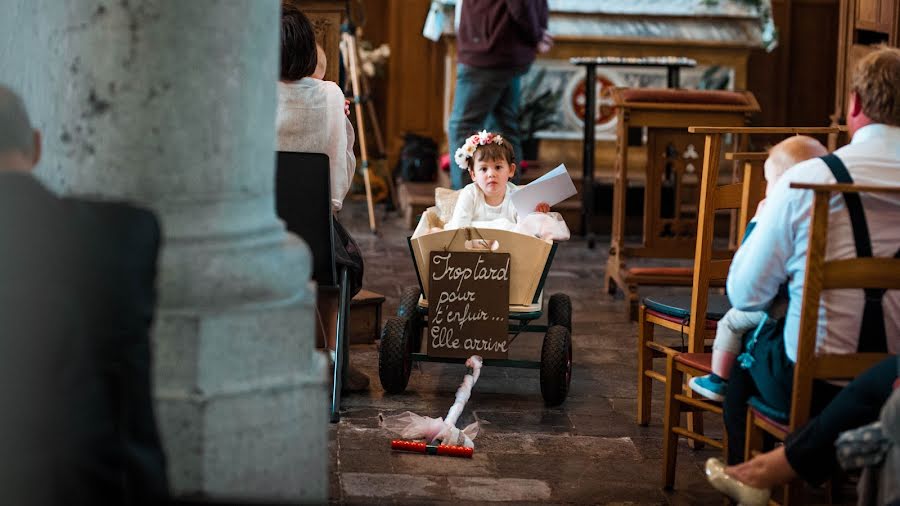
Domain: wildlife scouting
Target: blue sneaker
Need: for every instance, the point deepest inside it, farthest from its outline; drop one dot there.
(710, 386)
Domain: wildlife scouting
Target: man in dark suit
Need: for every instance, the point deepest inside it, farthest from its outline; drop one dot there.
(77, 299)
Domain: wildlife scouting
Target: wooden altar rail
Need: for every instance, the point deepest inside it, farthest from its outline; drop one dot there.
(767, 130)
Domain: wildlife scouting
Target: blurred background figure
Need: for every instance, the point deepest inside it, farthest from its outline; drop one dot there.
(77, 300)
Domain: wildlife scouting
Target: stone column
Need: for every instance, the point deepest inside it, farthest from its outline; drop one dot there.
(171, 104)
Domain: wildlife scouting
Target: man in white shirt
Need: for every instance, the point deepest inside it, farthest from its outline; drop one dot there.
(775, 253)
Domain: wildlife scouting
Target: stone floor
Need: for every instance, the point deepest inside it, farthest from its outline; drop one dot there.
(589, 450)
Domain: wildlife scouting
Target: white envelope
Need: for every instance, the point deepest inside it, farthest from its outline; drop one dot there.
(552, 188)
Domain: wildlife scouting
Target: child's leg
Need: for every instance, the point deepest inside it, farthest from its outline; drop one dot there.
(729, 333)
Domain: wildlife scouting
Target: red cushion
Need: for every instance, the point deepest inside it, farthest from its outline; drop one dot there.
(710, 324)
(702, 361)
(757, 413)
(677, 96)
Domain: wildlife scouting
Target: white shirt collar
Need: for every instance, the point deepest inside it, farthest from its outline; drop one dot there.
(875, 130)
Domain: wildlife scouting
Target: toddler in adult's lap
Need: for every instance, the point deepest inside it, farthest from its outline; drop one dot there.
(735, 323)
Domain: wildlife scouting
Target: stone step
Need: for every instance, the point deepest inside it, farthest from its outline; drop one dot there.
(365, 317)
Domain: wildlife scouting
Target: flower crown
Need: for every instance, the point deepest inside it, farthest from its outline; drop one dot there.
(462, 155)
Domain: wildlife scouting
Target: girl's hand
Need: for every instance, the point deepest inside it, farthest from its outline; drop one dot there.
(346, 107)
(542, 207)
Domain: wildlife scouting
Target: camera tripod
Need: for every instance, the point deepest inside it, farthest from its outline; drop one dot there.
(360, 94)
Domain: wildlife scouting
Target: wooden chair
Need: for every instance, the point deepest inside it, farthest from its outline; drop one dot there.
(883, 273)
(744, 198)
(673, 161)
(303, 201)
(710, 269)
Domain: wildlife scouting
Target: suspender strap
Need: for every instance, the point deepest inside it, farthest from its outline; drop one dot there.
(872, 335)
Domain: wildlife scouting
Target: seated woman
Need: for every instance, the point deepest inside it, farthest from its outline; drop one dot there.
(312, 118)
(810, 453)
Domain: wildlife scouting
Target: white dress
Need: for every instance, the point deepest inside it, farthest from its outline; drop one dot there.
(311, 119)
(472, 211)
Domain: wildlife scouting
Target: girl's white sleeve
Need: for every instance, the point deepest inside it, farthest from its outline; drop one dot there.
(463, 212)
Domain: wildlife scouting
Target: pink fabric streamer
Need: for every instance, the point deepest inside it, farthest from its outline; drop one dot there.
(409, 425)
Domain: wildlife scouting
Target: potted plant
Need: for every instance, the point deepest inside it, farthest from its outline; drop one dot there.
(538, 111)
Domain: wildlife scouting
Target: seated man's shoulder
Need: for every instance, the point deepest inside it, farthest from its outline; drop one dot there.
(110, 220)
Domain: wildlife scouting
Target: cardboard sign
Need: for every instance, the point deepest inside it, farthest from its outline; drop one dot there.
(468, 295)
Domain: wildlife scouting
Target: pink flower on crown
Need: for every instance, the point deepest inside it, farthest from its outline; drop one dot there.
(467, 150)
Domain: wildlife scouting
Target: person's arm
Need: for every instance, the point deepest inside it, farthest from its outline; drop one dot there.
(531, 16)
(339, 138)
(760, 265)
(463, 211)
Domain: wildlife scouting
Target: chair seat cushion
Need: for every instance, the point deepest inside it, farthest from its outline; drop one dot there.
(679, 306)
(702, 361)
(774, 416)
(679, 96)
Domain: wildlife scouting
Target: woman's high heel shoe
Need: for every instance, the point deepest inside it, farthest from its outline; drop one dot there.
(744, 494)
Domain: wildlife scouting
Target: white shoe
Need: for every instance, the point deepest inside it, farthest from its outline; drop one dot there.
(744, 494)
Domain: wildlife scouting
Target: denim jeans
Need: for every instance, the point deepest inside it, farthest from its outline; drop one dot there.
(485, 98)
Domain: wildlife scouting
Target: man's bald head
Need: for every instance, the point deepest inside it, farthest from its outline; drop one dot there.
(790, 152)
(19, 142)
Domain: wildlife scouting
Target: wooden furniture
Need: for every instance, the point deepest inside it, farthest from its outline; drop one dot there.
(325, 16)
(883, 273)
(673, 163)
(310, 217)
(743, 197)
(684, 318)
(365, 317)
(673, 67)
(862, 25)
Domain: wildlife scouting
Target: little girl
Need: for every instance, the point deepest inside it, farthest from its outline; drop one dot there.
(731, 328)
(486, 202)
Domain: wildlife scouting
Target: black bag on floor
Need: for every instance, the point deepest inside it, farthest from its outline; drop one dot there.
(418, 159)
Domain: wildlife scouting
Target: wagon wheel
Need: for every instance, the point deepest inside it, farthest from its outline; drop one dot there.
(556, 365)
(409, 302)
(559, 311)
(394, 360)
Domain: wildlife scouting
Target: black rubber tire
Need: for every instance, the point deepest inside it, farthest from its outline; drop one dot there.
(394, 360)
(556, 365)
(409, 300)
(559, 311)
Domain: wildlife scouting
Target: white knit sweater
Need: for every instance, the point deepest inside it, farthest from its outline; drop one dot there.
(311, 119)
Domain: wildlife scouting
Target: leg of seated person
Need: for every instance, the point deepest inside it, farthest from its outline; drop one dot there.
(734, 411)
(811, 449)
(809, 453)
(326, 315)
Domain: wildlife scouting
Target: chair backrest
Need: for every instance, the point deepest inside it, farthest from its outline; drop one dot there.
(303, 201)
(882, 273)
(743, 197)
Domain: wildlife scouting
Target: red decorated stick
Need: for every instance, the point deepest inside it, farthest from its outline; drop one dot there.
(420, 447)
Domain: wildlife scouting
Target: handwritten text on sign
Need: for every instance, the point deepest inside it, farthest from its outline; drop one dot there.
(468, 304)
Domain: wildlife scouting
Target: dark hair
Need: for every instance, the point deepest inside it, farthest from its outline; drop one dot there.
(298, 44)
(493, 151)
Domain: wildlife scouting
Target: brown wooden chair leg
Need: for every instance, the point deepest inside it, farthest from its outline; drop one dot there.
(645, 363)
(753, 439)
(694, 423)
(671, 419)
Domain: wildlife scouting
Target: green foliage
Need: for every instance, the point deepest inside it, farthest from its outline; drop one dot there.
(538, 110)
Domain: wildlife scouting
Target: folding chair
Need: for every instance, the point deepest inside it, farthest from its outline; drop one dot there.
(864, 273)
(303, 201)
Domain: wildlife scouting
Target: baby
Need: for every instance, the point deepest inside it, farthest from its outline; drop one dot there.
(735, 323)
(486, 202)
